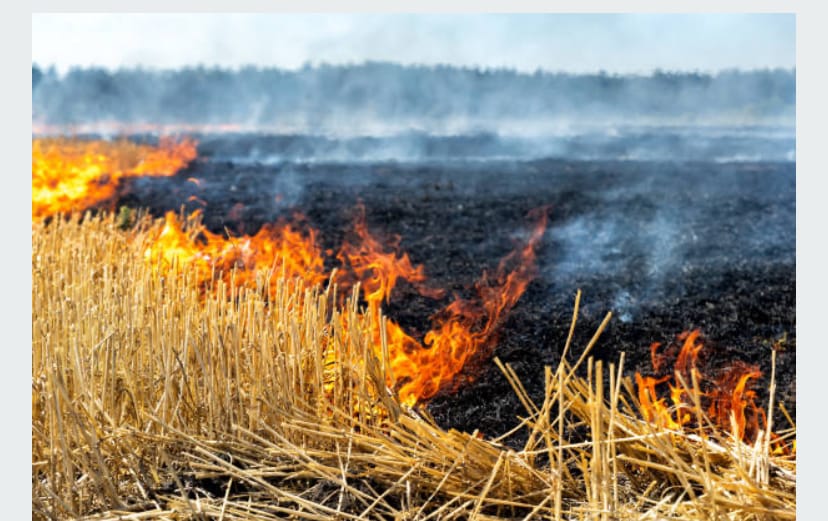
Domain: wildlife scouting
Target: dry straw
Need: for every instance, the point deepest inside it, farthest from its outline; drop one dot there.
(151, 400)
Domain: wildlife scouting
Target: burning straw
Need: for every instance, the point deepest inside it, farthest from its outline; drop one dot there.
(74, 174)
(154, 400)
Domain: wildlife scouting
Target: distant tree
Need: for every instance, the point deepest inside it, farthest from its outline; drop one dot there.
(317, 95)
(37, 75)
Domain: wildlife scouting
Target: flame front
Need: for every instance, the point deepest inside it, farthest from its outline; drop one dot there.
(378, 267)
(73, 175)
(70, 175)
(458, 337)
(464, 330)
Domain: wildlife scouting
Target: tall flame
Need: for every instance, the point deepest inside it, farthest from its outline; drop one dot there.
(73, 175)
(733, 402)
(463, 331)
(467, 330)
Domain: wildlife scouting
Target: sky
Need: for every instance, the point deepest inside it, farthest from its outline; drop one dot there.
(579, 43)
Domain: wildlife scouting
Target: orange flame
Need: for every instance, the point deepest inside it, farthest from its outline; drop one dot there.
(653, 409)
(377, 269)
(73, 175)
(733, 400)
(457, 338)
(419, 372)
(731, 403)
(463, 331)
(277, 247)
(657, 359)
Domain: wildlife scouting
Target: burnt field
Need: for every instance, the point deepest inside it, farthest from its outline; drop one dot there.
(667, 246)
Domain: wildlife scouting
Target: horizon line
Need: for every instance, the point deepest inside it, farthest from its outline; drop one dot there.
(418, 65)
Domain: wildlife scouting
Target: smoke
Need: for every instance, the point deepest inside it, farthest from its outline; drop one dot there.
(636, 241)
(288, 188)
(630, 144)
(658, 219)
(385, 99)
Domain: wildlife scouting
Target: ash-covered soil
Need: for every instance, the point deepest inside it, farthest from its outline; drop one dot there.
(666, 246)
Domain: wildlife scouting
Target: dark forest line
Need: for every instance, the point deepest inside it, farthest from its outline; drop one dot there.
(329, 96)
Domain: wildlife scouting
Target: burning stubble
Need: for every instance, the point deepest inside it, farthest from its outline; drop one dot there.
(73, 175)
(142, 381)
(464, 330)
(184, 337)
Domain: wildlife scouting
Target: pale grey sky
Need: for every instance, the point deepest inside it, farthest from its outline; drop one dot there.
(618, 43)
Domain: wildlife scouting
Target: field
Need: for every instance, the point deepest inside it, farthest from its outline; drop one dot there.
(257, 390)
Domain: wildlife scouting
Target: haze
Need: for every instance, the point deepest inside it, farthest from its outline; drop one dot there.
(621, 44)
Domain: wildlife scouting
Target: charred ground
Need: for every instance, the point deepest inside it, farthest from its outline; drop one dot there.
(666, 246)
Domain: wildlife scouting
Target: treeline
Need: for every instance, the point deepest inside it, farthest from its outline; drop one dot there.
(384, 92)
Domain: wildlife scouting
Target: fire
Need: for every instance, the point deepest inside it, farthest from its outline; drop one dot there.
(377, 269)
(729, 401)
(279, 247)
(463, 331)
(458, 336)
(73, 175)
(732, 400)
(654, 409)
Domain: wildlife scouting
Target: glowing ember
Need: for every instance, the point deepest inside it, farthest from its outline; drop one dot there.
(73, 175)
